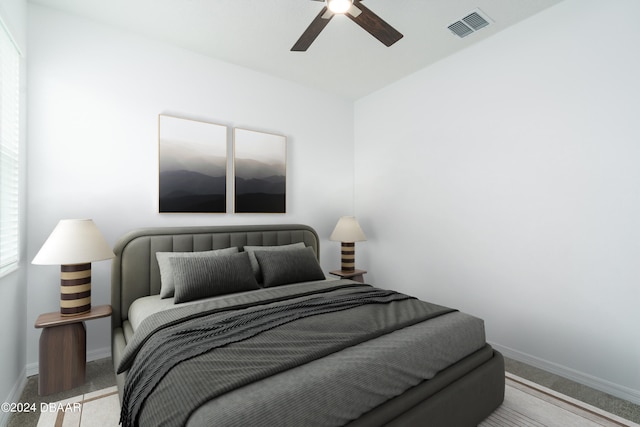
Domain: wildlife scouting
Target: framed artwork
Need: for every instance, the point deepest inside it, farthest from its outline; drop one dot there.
(192, 165)
(259, 165)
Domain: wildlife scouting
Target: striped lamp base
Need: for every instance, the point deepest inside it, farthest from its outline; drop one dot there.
(75, 289)
(348, 256)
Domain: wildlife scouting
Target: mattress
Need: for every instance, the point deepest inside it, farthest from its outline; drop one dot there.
(374, 371)
(368, 374)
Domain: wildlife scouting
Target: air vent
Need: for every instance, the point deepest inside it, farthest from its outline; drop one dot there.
(469, 24)
(475, 21)
(460, 28)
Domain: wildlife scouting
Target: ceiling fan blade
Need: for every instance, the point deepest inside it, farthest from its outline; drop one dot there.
(374, 25)
(312, 31)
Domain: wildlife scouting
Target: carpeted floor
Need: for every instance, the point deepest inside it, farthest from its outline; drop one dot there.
(525, 404)
(530, 404)
(97, 397)
(596, 398)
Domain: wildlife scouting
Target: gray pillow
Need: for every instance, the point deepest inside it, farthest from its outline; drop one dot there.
(166, 273)
(292, 266)
(197, 277)
(254, 262)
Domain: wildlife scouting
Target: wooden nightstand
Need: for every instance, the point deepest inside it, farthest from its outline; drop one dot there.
(357, 275)
(63, 349)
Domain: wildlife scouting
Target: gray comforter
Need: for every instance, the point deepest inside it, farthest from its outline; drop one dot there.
(173, 368)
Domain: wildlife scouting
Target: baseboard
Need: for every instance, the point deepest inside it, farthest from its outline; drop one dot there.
(600, 384)
(14, 396)
(100, 353)
(97, 354)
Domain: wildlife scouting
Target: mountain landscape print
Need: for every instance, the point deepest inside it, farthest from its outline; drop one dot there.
(259, 161)
(193, 166)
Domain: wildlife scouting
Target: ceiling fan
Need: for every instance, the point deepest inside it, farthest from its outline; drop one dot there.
(355, 11)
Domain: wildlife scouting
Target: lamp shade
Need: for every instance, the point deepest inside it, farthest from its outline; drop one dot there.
(74, 241)
(348, 230)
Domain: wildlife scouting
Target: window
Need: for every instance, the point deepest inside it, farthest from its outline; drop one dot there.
(9, 143)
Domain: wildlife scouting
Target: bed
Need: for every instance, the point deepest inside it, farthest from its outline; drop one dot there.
(298, 349)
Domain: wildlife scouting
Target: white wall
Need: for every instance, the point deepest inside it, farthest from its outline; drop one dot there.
(505, 181)
(13, 302)
(95, 96)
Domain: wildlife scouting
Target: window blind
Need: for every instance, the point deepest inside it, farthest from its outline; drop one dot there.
(9, 154)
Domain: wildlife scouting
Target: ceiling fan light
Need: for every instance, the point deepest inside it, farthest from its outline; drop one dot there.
(339, 6)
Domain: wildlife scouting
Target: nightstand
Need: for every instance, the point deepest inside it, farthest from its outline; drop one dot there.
(63, 349)
(357, 275)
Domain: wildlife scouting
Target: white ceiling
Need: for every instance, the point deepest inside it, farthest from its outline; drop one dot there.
(344, 59)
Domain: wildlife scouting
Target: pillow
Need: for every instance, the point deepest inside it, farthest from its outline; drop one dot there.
(198, 277)
(254, 262)
(283, 267)
(166, 273)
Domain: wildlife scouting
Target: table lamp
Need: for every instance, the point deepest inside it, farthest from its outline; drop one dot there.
(74, 244)
(348, 232)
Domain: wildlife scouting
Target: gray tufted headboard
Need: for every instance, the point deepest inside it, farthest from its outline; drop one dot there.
(135, 271)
